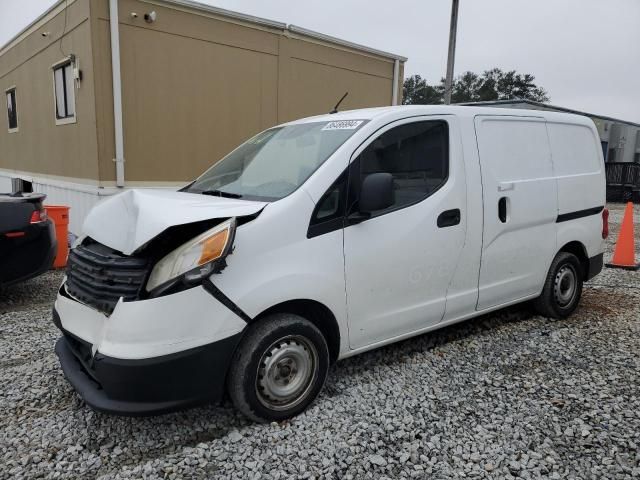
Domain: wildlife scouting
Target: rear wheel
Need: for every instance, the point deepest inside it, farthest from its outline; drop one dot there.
(562, 288)
(279, 368)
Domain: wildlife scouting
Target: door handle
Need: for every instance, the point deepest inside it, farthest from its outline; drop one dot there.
(449, 218)
(502, 209)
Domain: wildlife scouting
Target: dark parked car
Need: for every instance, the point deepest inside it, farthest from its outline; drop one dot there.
(27, 237)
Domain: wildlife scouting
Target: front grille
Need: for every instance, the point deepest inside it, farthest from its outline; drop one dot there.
(99, 276)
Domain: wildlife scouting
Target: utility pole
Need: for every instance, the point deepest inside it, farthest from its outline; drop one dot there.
(452, 52)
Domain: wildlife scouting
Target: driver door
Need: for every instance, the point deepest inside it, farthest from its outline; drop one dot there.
(400, 261)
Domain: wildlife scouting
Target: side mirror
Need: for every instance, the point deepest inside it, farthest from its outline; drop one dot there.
(376, 192)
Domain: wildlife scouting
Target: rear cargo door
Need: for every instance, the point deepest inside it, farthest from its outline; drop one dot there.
(520, 207)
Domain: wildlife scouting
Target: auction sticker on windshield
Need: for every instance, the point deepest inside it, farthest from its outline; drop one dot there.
(343, 125)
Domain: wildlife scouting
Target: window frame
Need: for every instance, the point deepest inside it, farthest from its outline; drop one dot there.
(13, 89)
(355, 164)
(69, 119)
(337, 221)
(340, 222)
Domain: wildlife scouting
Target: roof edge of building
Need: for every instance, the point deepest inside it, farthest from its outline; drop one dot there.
(8, 44)
(345, 43)
(229, 14)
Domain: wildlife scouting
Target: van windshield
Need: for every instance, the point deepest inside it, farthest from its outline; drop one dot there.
(276, 162)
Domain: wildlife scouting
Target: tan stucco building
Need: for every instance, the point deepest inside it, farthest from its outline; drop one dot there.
(152, 99)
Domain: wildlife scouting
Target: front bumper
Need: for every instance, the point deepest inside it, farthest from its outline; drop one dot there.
(146, 387)
(148, 356)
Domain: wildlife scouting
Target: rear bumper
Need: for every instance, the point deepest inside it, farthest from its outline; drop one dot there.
(595, 266)
(147, 386)
(26, 257)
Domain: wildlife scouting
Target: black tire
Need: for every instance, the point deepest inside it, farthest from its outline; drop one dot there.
(562, 288)
(279, 353)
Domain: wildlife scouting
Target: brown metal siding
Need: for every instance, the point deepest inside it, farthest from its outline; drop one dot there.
(187, 102)
(40, 146)
(195, 86)
(314, 77)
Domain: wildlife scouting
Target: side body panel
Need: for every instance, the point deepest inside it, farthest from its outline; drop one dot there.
(520, 207)
(274, 262)
(578, 165)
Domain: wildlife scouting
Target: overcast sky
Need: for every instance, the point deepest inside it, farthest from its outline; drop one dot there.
(586, 53)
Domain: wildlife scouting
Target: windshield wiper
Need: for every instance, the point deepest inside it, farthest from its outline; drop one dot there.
(220, 193)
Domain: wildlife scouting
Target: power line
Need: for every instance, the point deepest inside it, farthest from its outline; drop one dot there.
(64, 29)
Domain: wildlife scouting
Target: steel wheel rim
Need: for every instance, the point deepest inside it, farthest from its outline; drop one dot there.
(286, 372)
(565, 285)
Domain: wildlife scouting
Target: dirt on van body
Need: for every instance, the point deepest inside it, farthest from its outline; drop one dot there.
(507, 395)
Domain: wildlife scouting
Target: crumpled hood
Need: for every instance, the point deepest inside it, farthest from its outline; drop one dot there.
(130, 219)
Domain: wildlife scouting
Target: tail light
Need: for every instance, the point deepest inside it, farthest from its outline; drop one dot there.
(39, 216)
(605, 223)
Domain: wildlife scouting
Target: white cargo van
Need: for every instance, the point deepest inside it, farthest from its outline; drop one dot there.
(321, 239)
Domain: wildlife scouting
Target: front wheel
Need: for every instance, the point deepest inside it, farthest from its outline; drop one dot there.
(562, 288)
(279, 368)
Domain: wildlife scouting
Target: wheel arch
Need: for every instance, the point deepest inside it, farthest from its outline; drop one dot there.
(317, 313)
(579, 250)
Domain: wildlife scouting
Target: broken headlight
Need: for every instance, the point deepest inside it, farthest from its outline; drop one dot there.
(196, 259)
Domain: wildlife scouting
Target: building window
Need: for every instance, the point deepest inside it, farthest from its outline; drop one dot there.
(12, 112)
(65, 100)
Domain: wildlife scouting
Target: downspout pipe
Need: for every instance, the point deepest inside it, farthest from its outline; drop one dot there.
(396, 79)
(117, 91)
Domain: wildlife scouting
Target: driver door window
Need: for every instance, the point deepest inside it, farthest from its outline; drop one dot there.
(415, 154)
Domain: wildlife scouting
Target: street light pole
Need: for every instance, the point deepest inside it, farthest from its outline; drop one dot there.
(451, 58)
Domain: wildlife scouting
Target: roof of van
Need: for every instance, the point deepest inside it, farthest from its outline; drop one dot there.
(458, 110)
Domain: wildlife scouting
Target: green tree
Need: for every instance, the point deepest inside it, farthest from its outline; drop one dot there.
(416, 91)
(493, 84)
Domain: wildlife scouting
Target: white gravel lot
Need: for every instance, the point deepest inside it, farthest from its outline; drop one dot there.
(507, 395)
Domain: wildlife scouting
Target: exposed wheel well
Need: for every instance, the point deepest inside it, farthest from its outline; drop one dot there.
(579, 251)
(316, 313)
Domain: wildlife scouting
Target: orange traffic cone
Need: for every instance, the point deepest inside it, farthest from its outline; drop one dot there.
(625, 254)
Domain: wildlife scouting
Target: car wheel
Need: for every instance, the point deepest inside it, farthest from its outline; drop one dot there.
(562, 288)
(279, 368)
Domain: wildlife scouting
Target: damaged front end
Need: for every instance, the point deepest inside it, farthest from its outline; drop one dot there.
(99, 276)
(145, 244)
(142, 327)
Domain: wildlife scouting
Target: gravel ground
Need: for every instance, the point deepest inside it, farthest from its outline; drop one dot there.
(506, 395)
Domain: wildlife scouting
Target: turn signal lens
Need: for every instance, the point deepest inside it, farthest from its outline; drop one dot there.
(213, 247)
(605, 223)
